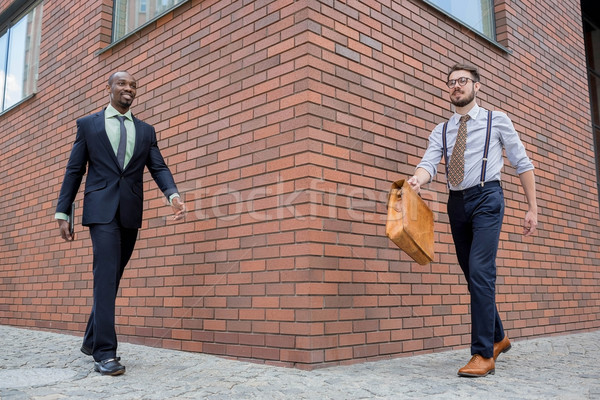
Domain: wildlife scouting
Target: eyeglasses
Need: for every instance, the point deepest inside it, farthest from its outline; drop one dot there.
(462, 81)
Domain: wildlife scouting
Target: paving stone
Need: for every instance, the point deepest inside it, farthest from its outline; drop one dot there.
(49, 366)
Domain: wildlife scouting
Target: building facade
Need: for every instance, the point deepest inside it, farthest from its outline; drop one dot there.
(284, 123)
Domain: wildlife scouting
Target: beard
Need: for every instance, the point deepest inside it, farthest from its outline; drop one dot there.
(463, 102)
(125, 103)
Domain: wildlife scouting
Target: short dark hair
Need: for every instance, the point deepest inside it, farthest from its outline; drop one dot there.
(465, 67)
(112, 76)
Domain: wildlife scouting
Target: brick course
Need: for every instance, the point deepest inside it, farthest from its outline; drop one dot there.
(284, 124)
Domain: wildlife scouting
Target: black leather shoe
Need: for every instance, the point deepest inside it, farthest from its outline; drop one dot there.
(86, 350)
(110, 366)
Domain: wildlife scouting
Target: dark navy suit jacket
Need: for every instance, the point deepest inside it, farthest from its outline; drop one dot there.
(107, 187)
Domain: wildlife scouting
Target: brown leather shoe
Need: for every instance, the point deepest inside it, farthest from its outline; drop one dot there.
(478, 366)
(501, 347)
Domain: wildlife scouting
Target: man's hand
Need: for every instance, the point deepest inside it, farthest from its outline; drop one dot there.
(178, 209)
(530, 223)
(65, 230)
(421, 177)
(413, 181)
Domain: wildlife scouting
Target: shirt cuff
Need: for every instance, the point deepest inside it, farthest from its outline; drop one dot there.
(171, 197)
(61, 216)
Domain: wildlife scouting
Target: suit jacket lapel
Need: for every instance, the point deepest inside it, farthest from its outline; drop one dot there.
(139, 138)
(103, 136)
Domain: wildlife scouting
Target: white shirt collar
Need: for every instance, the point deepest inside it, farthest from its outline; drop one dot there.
(473, 113)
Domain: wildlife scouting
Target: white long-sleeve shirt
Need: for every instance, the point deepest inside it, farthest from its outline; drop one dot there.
(503, 136)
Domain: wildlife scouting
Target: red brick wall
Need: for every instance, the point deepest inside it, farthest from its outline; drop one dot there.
(284, 124)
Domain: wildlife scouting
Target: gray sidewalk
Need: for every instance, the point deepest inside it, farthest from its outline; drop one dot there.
(49, 366)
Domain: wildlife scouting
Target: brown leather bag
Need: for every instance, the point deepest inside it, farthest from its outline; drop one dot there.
(410, 223)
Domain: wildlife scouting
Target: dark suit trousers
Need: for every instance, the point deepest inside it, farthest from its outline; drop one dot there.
(112, 247)
(476, 220)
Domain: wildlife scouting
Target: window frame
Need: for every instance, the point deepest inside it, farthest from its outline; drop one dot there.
(115, 40)
(9, 18)
(594, 96)
(469, 27)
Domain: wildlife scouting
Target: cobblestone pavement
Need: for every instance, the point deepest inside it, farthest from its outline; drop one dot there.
(48, 366)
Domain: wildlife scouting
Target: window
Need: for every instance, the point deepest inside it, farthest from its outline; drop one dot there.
(130, 15)
(591, 34)
(591, 38)
(19, 56)
(476, 14)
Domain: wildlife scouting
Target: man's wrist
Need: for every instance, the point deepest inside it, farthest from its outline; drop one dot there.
(173, 196)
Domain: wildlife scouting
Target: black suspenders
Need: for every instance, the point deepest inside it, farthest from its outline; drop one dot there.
(486, 148)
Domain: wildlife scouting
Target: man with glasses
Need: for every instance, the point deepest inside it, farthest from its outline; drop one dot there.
(472, 142)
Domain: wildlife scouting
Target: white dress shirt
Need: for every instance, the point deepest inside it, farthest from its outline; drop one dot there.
(503, 136)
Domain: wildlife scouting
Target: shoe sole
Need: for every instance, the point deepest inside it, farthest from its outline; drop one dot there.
(504, 351)
(468, 375)
(115, 373)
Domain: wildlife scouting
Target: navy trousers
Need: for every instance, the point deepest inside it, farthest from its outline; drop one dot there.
(476, 220)
(112, 246)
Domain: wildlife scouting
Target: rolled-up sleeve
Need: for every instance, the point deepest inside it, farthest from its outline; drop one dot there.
(434, 152)
(515, 150)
